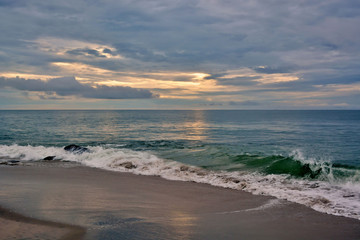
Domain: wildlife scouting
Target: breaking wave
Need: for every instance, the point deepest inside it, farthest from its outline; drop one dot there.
(324, 186)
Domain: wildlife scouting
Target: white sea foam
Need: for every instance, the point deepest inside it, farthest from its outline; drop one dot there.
(325, 196)
(269, 204)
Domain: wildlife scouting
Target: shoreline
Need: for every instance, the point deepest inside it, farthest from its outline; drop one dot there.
(113, 204)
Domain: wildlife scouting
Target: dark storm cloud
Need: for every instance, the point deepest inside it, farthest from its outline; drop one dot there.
(69, 86)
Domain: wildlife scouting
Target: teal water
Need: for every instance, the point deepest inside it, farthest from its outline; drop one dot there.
(313, 151)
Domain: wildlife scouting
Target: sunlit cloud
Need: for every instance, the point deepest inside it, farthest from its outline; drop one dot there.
(247, 74)
(191, 83)
(277, 78)
(340, 88)
(72, 47)
(83, 70)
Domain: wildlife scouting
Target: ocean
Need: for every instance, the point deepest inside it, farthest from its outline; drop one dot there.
(307, 157)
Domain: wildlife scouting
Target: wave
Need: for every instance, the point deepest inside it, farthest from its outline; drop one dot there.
(294, 165)
(323, 186)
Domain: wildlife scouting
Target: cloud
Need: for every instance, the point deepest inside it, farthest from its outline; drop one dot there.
(232, 104)
(98, 53)
(244, 103)
(188, 33)
(226, 79)
(239, 81)
(315, 40)
(271, 70)
(69, 86)
(86, 52)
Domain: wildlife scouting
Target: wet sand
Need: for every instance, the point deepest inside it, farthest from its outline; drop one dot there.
(17, 226)
(62, 202)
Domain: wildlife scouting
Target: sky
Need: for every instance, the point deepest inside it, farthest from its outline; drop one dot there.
(179, 54)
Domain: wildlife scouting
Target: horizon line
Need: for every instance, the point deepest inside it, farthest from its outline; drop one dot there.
(147, 109)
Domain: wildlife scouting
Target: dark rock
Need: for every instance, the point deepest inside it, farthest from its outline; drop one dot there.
(12, 162)
(200, 173)
(349, 195)
(243, 185)
(324, 200)
(76, 149)
(128, 165)
(49, 158)
(184, 168)
(315, 185)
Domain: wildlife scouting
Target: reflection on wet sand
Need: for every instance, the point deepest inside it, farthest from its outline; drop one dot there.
(182, 223)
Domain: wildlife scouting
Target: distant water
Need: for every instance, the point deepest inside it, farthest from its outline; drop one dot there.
(309, 157)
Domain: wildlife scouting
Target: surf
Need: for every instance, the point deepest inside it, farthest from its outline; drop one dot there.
(323, 186)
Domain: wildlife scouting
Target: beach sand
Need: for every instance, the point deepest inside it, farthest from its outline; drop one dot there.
(62, 201)
(17, 226)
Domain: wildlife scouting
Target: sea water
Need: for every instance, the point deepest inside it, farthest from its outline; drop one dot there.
(308, 157)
